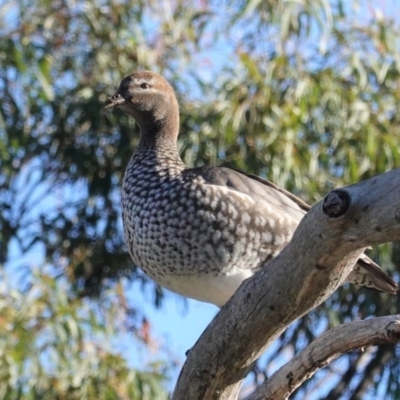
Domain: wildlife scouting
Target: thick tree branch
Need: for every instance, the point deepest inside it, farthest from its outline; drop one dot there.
(321, 254)
(326, 348)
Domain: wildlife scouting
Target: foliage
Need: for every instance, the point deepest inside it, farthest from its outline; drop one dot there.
(303, 92)
(56, 346)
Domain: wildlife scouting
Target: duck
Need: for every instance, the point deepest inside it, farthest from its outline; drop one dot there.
(200, 232)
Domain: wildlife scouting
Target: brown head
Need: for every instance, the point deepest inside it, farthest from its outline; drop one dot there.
(151, 101)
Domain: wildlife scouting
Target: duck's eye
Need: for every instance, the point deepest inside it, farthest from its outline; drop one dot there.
(144, 85)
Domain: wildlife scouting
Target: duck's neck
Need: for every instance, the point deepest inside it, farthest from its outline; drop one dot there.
(159, 130)
(159, 137)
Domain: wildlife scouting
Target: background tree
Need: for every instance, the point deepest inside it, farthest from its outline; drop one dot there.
(304, 93)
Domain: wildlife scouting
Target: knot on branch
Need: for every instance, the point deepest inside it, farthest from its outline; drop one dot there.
(393, 331)
(336, 203)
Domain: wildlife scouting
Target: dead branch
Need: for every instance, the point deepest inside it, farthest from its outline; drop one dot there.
(329, 346)
(321, 254)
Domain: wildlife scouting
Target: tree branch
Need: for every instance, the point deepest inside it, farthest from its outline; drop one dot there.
(326, 348)
(318, 259)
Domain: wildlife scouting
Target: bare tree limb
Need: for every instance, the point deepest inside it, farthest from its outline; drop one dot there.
(321, 254)
(326, 348)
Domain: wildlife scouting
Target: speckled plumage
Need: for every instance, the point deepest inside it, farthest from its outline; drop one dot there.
(201, 231)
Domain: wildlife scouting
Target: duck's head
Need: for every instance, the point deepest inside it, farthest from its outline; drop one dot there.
(148, 98)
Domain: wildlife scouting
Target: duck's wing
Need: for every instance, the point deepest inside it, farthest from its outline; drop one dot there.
(366, 273)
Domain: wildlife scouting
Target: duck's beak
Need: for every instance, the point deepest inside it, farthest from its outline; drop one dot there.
(114, 101)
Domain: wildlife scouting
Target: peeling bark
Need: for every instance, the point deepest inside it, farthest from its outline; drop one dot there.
(325, 246)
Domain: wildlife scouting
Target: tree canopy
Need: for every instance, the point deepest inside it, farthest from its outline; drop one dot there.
(305, 93)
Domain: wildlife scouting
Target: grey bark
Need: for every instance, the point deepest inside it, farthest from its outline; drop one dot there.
(316, 262)
(326, 348)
